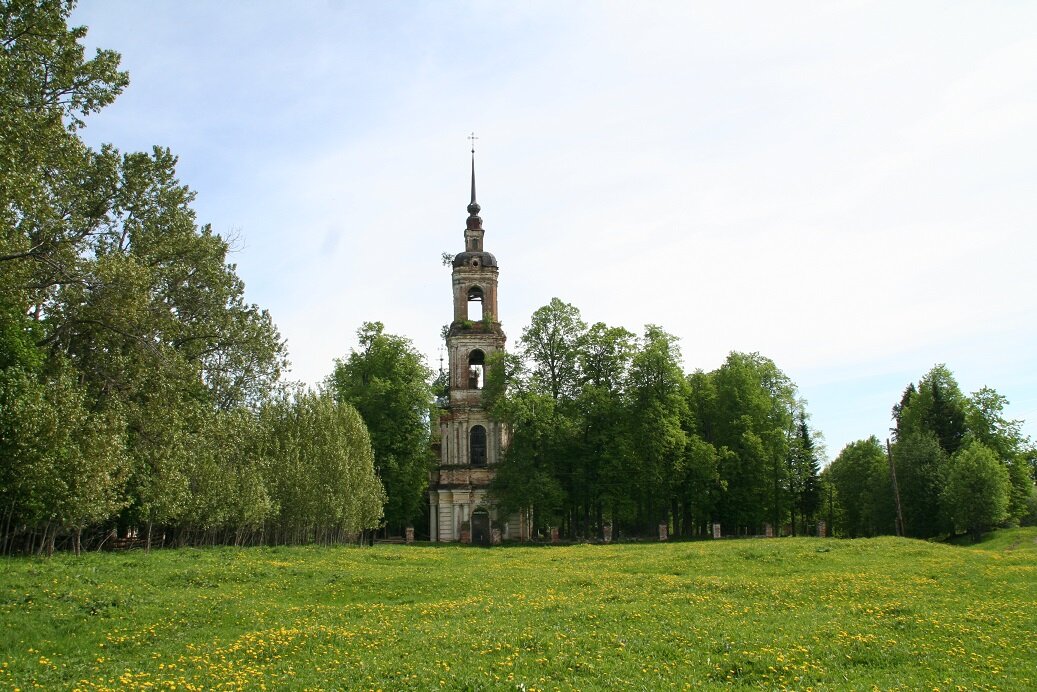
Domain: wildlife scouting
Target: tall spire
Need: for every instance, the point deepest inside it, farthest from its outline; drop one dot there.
(474, 221)
(473, 176)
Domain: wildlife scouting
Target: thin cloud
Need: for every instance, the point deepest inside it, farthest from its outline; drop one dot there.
(846, 188)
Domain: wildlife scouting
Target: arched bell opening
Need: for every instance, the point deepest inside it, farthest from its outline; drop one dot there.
(477, 446)
(476, 369)
(475, 303)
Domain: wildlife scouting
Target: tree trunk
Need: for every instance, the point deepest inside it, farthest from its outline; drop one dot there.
(43, 539)
(147, 540)
(7, 530)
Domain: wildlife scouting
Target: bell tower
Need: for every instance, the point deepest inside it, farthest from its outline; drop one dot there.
(471, 442)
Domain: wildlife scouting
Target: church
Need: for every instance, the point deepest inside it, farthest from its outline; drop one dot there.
(471, 442)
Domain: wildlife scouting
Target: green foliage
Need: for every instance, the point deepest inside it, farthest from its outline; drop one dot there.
(861, 477)
(922, 466)
(550, 344)
(658, 398)
(804, 475)
(64, 466)
(609, 429)
(752, 409)
(529, 479)
(602, 451)
(978, 489)
(387, 381)
(52, 196)
(321, 467)
(985, 422)
(19, 335)
(935, 423)
(131, 366)
(938, 408)
(795, 613)
(1022, 504)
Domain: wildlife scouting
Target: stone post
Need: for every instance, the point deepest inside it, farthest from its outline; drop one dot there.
(495, 536)
(716, 530)
(822, 529)
(607, 531)
(554, 534)
(663, 531)
(768, 531)
(409, 535)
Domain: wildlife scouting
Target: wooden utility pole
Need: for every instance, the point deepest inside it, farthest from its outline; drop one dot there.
(896, 489)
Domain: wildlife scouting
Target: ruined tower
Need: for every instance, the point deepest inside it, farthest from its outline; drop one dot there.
(471, 442)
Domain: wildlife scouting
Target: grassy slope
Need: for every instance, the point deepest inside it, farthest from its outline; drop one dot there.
(769, 613)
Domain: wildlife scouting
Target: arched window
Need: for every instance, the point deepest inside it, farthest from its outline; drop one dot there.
(476, 369)
(477, 446)
(475, 303)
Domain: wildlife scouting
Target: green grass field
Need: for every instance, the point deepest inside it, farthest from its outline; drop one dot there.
(798, 613)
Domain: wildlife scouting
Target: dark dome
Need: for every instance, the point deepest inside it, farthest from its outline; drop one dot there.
(484, 259)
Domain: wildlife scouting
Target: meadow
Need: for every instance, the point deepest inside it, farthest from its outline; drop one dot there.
(797, 613)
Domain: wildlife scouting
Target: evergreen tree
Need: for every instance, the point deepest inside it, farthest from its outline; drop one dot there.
(922, 466)
(938, 407)
(804, 473)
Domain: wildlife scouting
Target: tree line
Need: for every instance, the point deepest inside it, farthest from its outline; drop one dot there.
(955, 464)
(140, 394)
(607, 429)
(142, 399)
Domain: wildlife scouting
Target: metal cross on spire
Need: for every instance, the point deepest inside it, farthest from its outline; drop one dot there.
(472, 138)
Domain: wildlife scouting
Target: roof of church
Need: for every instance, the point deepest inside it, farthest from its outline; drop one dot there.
(485, 259)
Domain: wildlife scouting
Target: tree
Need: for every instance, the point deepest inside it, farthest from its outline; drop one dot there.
(922, 466)
(527, 477)
(658, 396)
(535, 393)
(898, 409)
(321, 468)
(804, 472)
(937, 407)
(978, 490)
(987, 424)
(64, 466)
(387, 381)
(602, 452)
(753, 418)
(118, 301)
(860, 476)
(550, 344)
(54, 194)
(700, 487)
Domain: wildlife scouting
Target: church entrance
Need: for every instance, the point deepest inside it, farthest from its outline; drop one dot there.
(480, 527)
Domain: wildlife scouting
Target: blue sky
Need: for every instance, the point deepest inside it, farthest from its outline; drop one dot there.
(848, 188)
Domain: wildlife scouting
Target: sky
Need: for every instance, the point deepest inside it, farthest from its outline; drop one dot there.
(848, 188)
